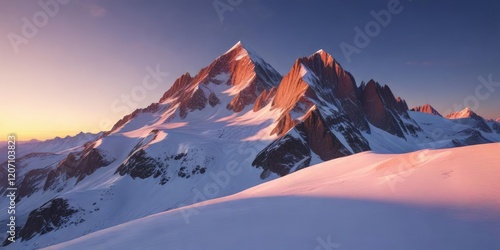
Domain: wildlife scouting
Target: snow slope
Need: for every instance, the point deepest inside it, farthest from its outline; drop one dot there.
(428, 199)
(234, 125)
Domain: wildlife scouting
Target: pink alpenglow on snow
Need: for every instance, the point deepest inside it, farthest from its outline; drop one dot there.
(430, 199)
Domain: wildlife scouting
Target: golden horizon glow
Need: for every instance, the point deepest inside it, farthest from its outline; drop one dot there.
(69, 74)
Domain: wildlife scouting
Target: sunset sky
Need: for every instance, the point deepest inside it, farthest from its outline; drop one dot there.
(71, 73)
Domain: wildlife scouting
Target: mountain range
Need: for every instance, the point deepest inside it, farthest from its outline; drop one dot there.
(236, 124)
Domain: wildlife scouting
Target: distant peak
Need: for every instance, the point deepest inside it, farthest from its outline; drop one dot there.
(465, 113)
(426, 108)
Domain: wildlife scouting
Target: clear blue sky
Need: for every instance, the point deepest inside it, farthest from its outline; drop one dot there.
(68, 76)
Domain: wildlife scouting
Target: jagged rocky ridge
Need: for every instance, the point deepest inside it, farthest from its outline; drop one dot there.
(426, 108)
(235, 124)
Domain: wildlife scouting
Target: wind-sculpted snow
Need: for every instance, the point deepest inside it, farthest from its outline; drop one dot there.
(236, 124)
(429, 199)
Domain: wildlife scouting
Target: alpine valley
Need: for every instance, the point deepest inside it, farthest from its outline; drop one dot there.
(234, 126)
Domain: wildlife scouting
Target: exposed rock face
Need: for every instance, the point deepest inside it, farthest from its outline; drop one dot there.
(140, 165)
(246, 73)
(283, 155)
(328, 98)
(328, 82)
(291, 89)
(47, 218)
(29, 181)
(352, 136)
(179, 84)
(77, 165)
(32, 181)
(426, 108)
(474, 137)
(315, 113)
(213, 100)
(340, 83)
(383, 110)
(330, 111)
(320, 139)
(496, 127)
(154, 107)
(264, 99)
(313, 135)
(285, 123)
(402, 106)
(198, 101)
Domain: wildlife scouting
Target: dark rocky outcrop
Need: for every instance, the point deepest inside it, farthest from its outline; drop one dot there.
(337, 85)
(282, 155)
(474, 137)
(380, 106)
(213, 99)
(320, 139)
(312, 136)
(49, 217)
(496, 127)
(264, 98)
(285, 123)
(32, 182)
(140, 165)
(77, 165)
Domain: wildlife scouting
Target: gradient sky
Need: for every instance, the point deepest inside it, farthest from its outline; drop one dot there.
(71, 74)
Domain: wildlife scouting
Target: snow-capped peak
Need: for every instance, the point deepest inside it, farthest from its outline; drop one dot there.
(238, 45)
(321, 51)
(325, 57)
(465, 113)
(240, 51)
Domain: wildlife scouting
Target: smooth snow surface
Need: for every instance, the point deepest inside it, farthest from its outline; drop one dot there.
(428, 199)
